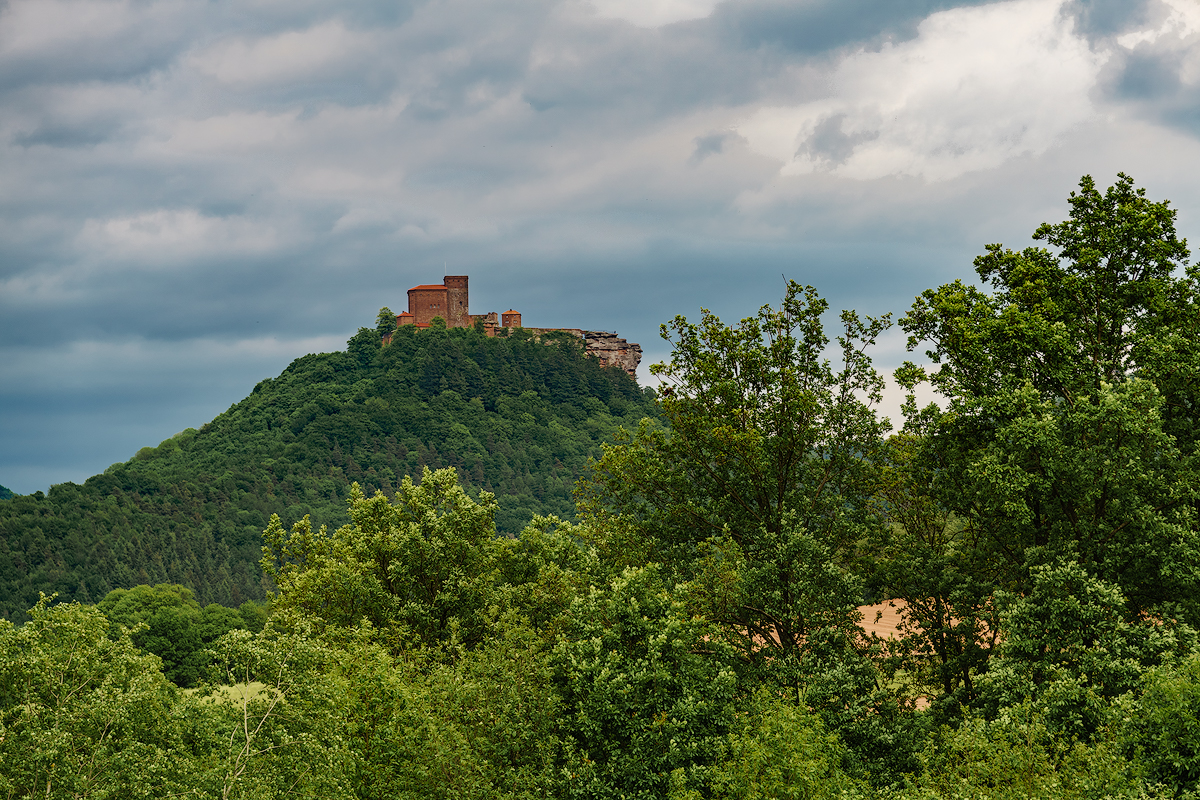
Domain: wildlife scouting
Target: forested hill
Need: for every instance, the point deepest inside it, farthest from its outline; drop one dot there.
(514, 416)
(5, 493)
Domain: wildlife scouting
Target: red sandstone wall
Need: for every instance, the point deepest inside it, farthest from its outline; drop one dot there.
(426, 302)
(457, 313)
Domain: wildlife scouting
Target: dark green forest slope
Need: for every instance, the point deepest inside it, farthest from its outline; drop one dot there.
(513, 416)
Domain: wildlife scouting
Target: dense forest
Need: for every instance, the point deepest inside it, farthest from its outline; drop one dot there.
(695, 631)
(512, 415)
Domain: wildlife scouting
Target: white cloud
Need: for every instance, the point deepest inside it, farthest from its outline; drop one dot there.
(977, 87)
(163, 236)
(891, 403)
(286, 56)
(171, 169)
(36, 26)
(1182, 20)
(654, 13)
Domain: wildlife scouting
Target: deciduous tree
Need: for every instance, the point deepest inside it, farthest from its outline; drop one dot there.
(1070, 420)
(419, 565)
(82, 715)
(757, 492)
(385, 323)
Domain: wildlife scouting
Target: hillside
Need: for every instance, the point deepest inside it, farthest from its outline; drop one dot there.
(513, 416)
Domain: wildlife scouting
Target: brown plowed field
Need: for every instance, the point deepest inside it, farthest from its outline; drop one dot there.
(889, 618)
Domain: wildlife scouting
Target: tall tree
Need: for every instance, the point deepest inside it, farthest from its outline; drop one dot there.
(385, 322)
(1070, 430)
(419, 564)
(758, 492)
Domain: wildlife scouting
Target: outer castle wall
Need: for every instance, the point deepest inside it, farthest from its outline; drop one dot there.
(451, 302)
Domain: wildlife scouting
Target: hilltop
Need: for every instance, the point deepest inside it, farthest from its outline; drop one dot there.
(450, 302)
(518, 415)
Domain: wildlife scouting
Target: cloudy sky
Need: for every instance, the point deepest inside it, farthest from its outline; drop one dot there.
(195, 192)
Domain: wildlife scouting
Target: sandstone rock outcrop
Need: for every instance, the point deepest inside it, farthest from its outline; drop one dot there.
(613, 351)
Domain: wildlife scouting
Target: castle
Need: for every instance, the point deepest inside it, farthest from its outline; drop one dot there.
(449, 301)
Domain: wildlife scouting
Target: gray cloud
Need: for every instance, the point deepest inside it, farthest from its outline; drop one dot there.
(830, 145)
(710, 144)
(1153, 49)
(191, 195)
(820, 26)
(1103, 19)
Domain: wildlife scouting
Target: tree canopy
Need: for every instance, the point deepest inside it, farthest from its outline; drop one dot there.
(1067, 436)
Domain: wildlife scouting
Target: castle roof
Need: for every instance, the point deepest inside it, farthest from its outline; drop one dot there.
(425, 287)
(510, 311)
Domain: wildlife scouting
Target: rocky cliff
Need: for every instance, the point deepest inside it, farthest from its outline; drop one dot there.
(610, 349)
(613, 351)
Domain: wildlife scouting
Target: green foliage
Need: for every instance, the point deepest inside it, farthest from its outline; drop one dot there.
(1070, 649)
(87, 714)
(1161, 727)
(757, 490)
(779, 752)
(129, 607)
(442, 633)
(1069, 430)
(481, 727)
(514, 417)
(645, 691)
(540, 573)
(254, 615)
(695, 635)
(81, 714)
(1051, 504)
(6, 493)
(1017, 757)
(385, 323)
(764, 435)
(419, 564)
(276, 741)
(1043, 525)
(924, 557)
(758, 496)
(168, 622)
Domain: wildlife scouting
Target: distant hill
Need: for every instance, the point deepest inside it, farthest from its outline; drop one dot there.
(515, 416)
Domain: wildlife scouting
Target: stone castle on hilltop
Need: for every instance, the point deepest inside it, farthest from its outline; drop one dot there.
(449, 301)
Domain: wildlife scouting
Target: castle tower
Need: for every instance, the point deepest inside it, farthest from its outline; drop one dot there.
(428, 301)
(511, 319)
(458, 314)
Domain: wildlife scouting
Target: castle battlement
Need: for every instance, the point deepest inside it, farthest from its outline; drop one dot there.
(450, 301)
